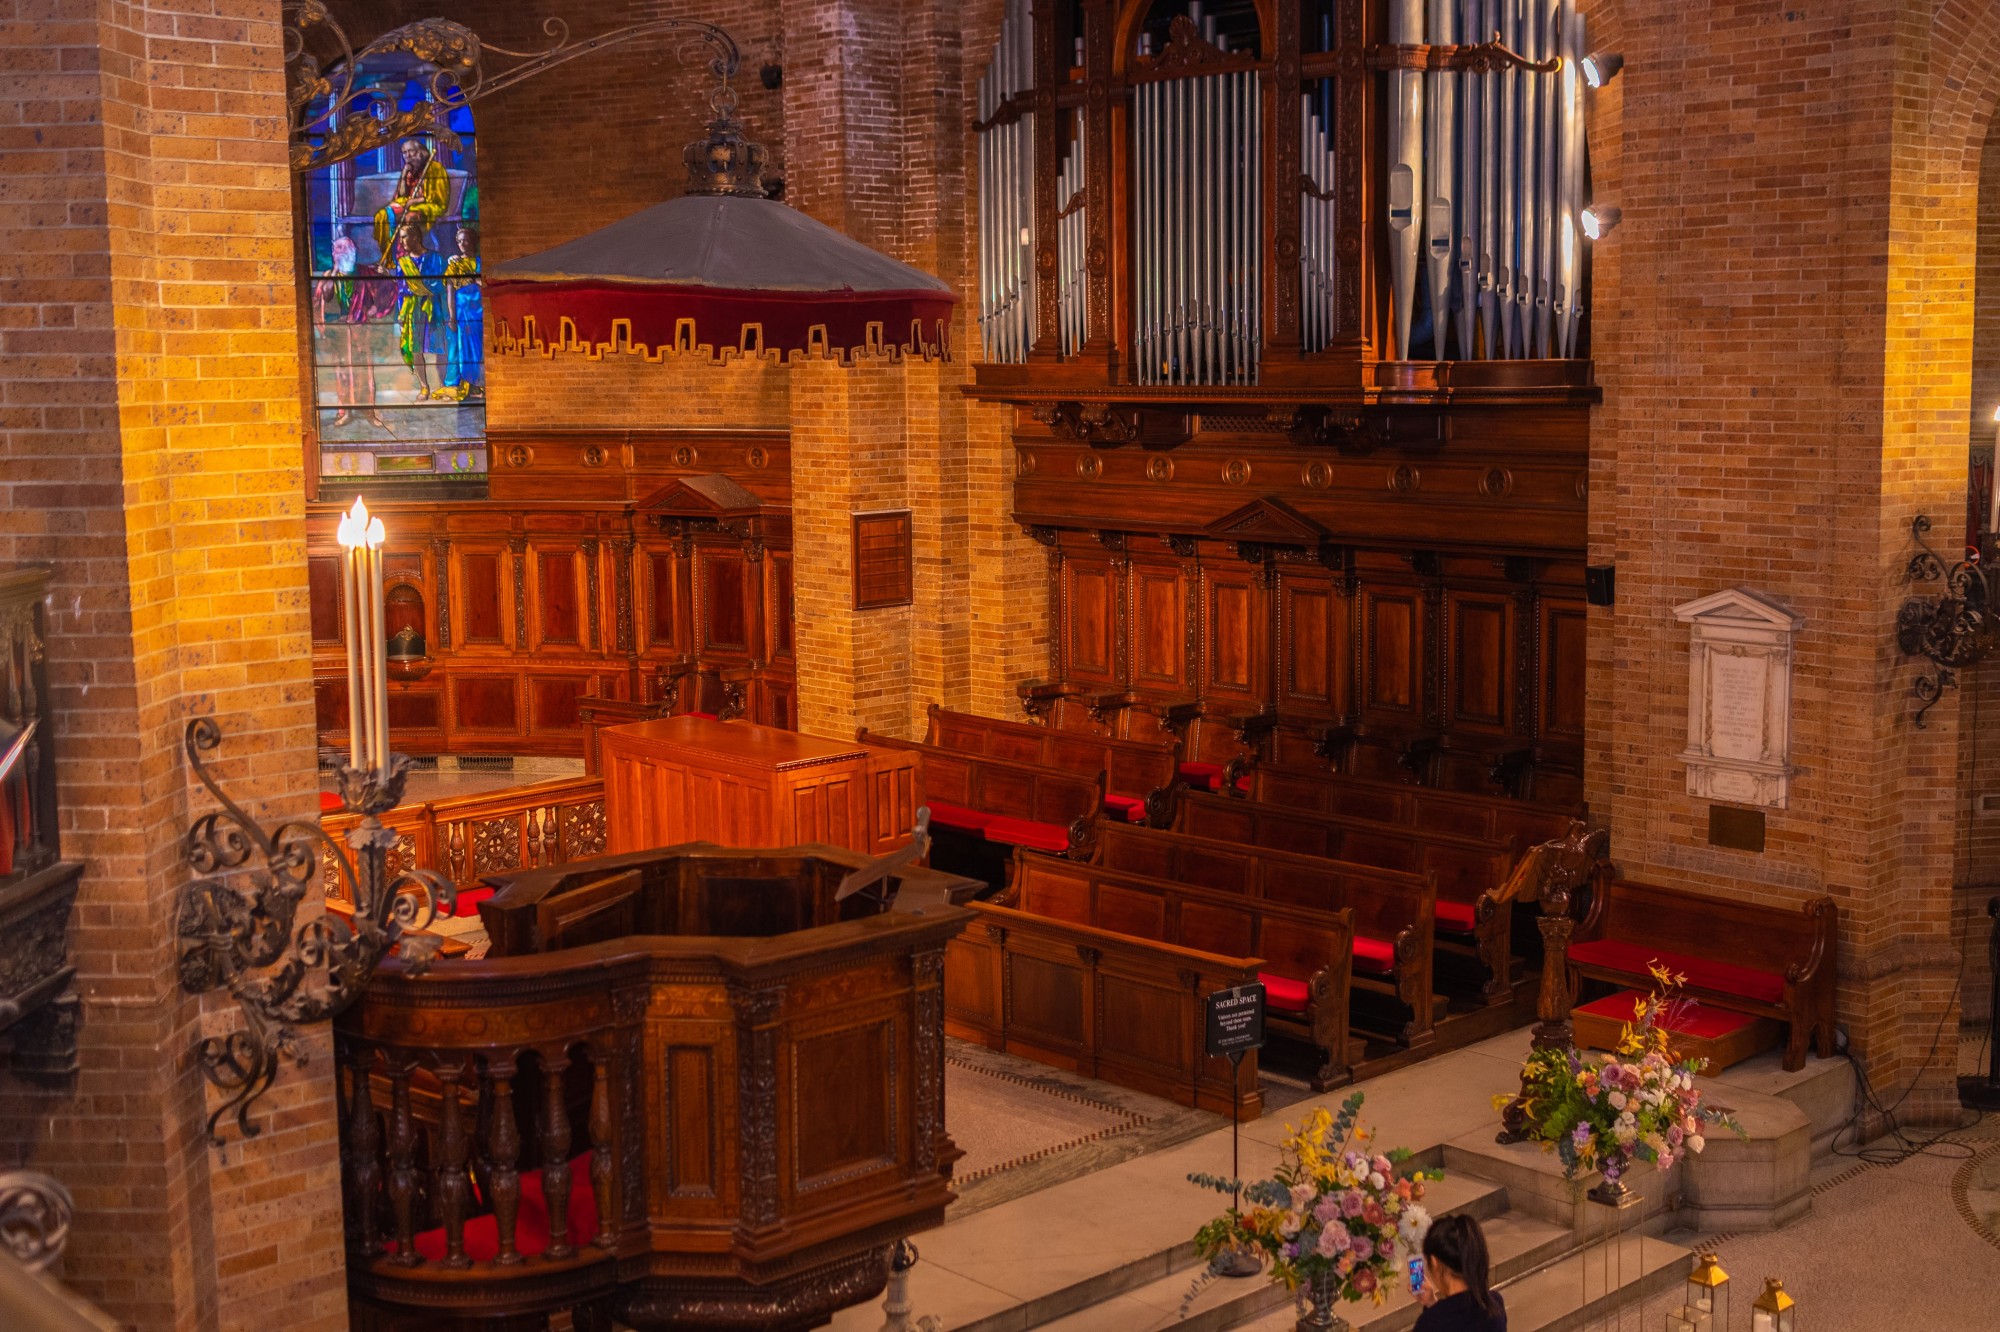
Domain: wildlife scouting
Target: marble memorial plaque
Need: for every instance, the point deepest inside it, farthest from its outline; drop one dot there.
(1739, 698)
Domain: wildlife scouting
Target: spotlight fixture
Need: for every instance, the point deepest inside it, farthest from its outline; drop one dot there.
(1600, 67)
(1600, 219)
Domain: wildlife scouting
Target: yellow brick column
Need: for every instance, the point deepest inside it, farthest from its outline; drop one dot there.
(148, 354)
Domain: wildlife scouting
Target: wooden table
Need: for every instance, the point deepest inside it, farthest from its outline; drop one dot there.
(690, 779)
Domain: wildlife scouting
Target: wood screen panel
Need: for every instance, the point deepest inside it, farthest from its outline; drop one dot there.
(1564, 625)
(323, 593)
(557, 602)
(1314, 631)
(882, 560)
(778, 607)
(482, 616)
(665, 623)
(1090, 605)
(1160, 627)
(1392, 653)
(1479, 668)
(1235, 647)
(725, 618)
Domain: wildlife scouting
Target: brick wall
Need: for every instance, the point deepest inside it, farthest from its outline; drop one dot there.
(149, 375)
(1784, 336)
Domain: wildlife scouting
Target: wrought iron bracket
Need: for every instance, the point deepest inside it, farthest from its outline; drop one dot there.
(1482, 58)
(333, 119)
(239, 928)
(1952, 630)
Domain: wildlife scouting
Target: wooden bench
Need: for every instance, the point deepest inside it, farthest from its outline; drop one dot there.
(1393, 911)
(1762, 960)
(1304, 956)
(1518, 824)
(1139, 775)
(1469, 872)
(1018, 804)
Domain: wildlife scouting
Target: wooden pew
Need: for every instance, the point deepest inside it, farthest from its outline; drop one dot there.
(1139, 775)
(1469, 872)
(1764, 960)
(1491, 818)
(1303, 956)
(1019, 804)
(1393, 911)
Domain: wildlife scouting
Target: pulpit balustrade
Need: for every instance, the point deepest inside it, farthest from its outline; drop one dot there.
(688, 1088)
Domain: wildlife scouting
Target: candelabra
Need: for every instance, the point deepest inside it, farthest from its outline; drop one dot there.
(238, 925)
(1954, 629)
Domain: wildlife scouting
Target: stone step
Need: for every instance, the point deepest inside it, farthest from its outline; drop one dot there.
(1225, 1302)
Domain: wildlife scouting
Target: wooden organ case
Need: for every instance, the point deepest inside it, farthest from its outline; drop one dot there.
(1288, 300)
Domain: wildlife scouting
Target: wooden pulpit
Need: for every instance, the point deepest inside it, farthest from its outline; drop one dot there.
(693, 779)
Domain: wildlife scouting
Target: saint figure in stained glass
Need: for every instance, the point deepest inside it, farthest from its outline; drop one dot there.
(465, 345)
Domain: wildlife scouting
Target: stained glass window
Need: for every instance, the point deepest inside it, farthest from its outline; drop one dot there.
(398, 326)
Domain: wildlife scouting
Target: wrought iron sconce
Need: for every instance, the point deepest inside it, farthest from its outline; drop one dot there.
(1954, 629)
(239, 930)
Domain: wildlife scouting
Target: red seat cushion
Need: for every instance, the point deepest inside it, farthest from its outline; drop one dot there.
(1376, 955)
(469, 900)
(1455, 916)
(1027, 832)
(947, 815)
(1689, 1019)
(1282, 994)
(1208, 777)
(330, 802)
(1765, 987)
(531, 1221)
(1130, 809)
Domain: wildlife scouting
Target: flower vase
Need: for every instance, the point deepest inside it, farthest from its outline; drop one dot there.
(1321, 1295)
(1614, 1193)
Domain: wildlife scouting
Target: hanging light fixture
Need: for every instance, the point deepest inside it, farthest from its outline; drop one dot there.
(1599, 220)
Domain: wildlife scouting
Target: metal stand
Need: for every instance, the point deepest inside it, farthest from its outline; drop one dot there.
(1236, 1262)
(1977, 1093)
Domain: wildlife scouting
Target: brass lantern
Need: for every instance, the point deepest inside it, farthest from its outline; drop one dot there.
(1774, 1311)
(1707, 1299)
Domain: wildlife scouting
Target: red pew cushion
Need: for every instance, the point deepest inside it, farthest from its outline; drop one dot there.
(1027, 832)
(1282, 994)
(1208, 777)
(1696, 1020)
(1374, 954)
(469, 900)
(330, 802)
(1766, 987)
(1455, 916)
(947, 815)
(531, 1221)
(1131, 809)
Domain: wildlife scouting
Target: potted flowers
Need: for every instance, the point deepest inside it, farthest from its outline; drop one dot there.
(1636, 1104)
(1337, 1221)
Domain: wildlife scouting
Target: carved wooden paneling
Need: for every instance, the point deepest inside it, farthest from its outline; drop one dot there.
(1561, 657)
(323, 591)
(1479, 684)
(1392, 654)
(1314, 645)
(559, 600)
(1159, 634)
(779, 609)
(481, 611)
(1236, 641)
(1090, 606)
(486, 703)
(725, 618)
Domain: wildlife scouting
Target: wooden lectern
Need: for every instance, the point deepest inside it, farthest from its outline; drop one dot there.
(692, 779)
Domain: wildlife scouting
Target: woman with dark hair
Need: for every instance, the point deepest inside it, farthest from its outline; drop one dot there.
(1455, 1295)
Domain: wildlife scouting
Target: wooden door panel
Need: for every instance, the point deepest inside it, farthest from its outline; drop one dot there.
(1564, 625)
(1392, 626)
(1090, 606)
(558, 598)
(480, 599)
(1160, 629)
(1236, 646)
(1314, 659)
(1479, 666)
(665, 619)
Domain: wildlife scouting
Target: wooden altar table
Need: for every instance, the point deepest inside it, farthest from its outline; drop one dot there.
(693, 779)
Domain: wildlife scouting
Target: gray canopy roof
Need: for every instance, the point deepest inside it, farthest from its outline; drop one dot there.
(726, 242)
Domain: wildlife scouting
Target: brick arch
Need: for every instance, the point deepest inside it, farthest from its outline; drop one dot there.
(1968, 83)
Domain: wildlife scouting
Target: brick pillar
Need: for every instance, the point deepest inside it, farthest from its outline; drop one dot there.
(148, 363)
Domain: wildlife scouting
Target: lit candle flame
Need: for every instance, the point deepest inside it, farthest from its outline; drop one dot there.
(353, 530)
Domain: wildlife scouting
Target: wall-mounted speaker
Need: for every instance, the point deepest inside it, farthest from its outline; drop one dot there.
(1600, 584)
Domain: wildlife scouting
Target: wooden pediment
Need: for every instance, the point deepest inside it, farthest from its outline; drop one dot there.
(1268, 520)
(712, 496)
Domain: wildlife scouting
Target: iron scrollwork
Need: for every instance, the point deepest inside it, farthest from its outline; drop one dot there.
(239, 928)
(335, 118)
(1952, 630)
(35, 1214)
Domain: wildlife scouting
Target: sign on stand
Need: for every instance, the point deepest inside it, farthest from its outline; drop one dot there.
(1236, 1020)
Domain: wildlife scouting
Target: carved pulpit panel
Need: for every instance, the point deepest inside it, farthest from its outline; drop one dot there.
(1739, 697)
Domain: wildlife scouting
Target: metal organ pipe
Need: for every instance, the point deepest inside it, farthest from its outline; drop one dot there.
(1485, 180)
(1006, 195)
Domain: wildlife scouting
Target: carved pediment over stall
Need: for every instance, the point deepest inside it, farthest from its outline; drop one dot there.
(1269, 521)
(702, 502)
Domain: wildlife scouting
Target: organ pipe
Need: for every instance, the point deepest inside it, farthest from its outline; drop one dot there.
(1006, 193)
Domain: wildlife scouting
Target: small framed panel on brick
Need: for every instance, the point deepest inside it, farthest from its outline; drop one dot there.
(882, 560)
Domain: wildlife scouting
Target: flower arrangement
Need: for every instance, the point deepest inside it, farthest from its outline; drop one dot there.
(1636, 1104)
(1335, 1217)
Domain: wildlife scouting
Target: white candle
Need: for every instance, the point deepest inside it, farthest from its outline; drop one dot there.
(380, 649)
(1993, 480)
(357, 708)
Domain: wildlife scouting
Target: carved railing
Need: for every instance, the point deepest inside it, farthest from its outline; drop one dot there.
(669, 1130)
(466, 838)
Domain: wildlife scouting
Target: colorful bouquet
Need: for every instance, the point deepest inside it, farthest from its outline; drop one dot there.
(1636, 1104)
(1335, 1218)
